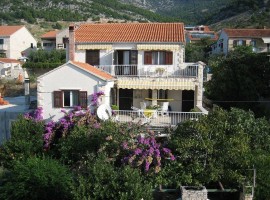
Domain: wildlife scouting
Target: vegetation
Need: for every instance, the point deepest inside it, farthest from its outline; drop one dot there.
(80, 157)
(240, 80)
(46, 59)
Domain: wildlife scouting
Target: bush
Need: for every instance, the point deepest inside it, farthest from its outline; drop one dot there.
(41, 65)
(37, 178)
(26, 140)
(101, 180)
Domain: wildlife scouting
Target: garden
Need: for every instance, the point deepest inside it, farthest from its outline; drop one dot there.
(82, 157)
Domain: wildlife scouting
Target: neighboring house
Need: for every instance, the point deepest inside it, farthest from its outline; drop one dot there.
(10, 68)
(197, 33)
(146, 61)
(16, 42)
(55, 39)
(69, 85)
(259, 39)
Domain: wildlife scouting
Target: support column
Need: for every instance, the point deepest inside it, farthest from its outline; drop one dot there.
(154, 96)
(26, 88)
(199, 87)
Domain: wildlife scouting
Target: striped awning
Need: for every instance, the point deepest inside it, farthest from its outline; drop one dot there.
(166, 47)
(156, 84)
(94, 46)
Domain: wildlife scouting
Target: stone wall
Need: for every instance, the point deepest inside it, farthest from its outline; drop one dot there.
(193, 193)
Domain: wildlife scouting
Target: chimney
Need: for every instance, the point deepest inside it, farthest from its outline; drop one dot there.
(71, 53)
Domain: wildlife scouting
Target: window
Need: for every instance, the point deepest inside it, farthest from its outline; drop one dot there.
(158, 58)
(70, 98)
(32, 45)
(1, 41)
(239, 43)
(253, 43)
(162, 94)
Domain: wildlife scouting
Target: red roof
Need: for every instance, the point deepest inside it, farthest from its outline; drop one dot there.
(9, 30)
(93, 70)
(50, 34)
(9, 60)
(247, 32)
(130, 32)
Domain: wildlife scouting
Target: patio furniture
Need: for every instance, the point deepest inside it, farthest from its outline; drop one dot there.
(143, 105)
(148, 114)
(138, 110)
(164, 109)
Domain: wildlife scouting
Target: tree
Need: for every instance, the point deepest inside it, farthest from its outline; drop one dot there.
(221, 147)
(240, 80)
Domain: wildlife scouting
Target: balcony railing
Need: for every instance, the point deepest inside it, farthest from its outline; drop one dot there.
(157, 119)
(3, 47)
(191, 70)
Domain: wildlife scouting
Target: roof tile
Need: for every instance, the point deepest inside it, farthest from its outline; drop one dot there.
(9, 30)
(247, 32)
(130, 32)
(93, 70)
(50, 34)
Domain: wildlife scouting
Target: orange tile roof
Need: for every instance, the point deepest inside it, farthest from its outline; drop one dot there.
(50, 34)
(130, 32)
(93, 70)
(247, 32)
(9, 60)
(9, 30)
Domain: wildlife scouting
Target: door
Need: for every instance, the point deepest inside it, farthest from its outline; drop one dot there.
(125, 99)
(92, 57)
(127, 62)
(187, 100)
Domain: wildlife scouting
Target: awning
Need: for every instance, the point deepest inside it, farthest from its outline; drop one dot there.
(166, 47)
(156, 84)
(266, 39)
(94, 46)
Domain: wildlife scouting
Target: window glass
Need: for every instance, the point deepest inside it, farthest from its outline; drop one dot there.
(1, 41)
(67, 98)
(75, 98)
(155, 58)
(162, 57)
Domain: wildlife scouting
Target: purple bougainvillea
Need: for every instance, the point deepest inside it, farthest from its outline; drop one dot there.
(35, 115)
(95, 98)
(145, 153)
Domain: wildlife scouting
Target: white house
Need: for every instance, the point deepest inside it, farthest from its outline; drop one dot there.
(259, 39)
(197, 33)
(146, 61)
(69, 85)
(16, 42)
(10, 68)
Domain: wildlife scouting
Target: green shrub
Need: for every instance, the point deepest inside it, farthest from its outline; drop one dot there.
(101, 180)
(26, 140)
(37, 178)
(41, 65)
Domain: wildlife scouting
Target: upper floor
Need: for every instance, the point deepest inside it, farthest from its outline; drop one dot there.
(195, 34)
(259, 39)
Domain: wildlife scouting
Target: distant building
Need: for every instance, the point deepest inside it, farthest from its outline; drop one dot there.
(195, 34)
(16, 41)
(10, 68)
(56, 39)
(259, 39)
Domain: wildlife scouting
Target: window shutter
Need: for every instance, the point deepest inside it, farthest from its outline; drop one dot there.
(234, 43)
(58, 99)
(147, 57)
(169, 58)
(83, 99)
(244, 43)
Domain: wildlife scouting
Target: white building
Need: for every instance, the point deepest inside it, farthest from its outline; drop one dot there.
(147, 63)
(10, 68)
(69, 85)
(57, 39)
(16, 42)
(259, 39)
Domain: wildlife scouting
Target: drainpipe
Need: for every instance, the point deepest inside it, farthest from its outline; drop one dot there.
(26, 88)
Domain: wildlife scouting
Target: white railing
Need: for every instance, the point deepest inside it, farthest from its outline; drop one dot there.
(191, 70)
(155, 119)
(3, 47)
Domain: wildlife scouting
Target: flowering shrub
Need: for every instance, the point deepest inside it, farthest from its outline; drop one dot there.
(79, 117)
(95, 98)
(35, 115)
(146, 153)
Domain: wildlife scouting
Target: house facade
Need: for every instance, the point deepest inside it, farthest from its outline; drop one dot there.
(16, 42)
(146, 69)
(70, 85)
(259, 39)
(57, 39)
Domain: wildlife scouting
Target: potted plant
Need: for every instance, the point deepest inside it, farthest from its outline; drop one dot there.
(160, 70)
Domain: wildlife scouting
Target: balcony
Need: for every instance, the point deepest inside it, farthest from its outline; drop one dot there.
(3, 47)
(190, 71)
(172, 119)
